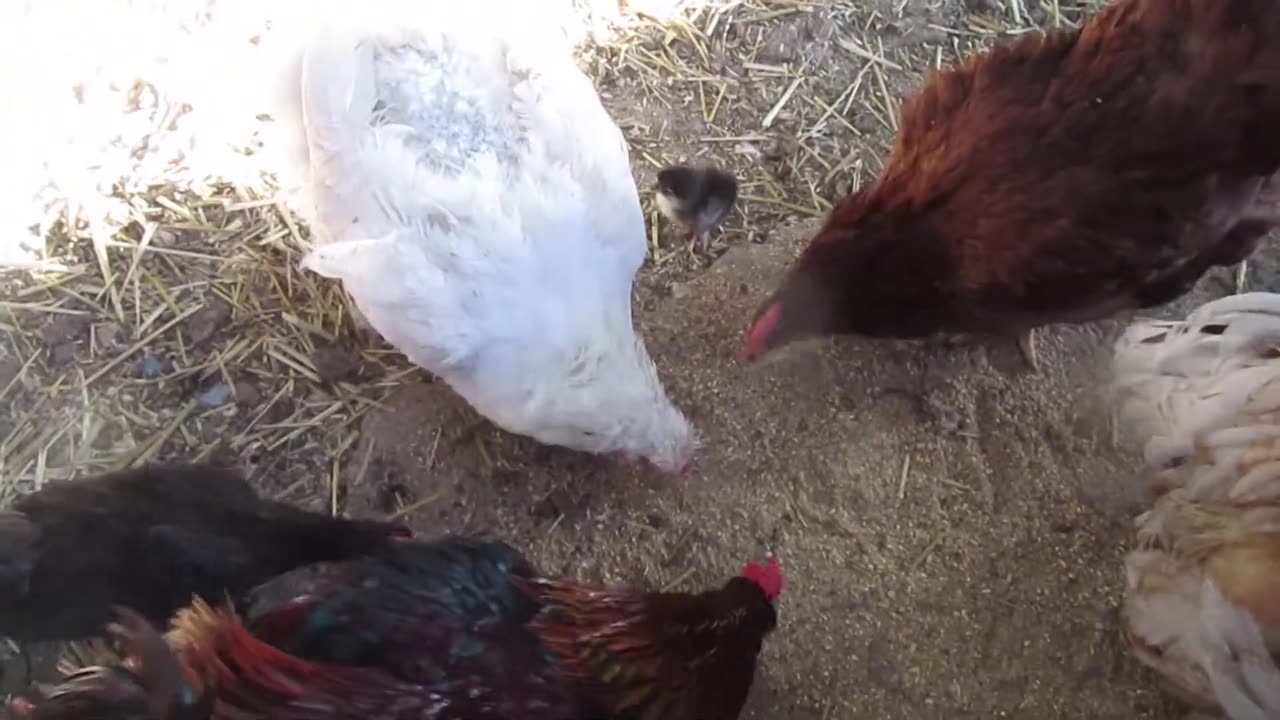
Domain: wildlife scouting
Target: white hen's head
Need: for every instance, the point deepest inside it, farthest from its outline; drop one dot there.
(609, 400)
(583, 375)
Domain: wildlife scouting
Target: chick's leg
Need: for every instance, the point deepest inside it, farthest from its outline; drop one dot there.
(698, 239)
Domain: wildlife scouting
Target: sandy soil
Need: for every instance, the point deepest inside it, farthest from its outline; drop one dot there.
(952, 552)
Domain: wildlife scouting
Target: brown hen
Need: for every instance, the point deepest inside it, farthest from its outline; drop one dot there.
(1058, 178)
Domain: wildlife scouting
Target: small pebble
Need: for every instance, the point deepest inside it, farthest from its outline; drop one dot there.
(335, 363)
(546, 509)
(150, 366)
(217, 395)
(247, 393)
(63, 353)
(207, 321)
(107, 336)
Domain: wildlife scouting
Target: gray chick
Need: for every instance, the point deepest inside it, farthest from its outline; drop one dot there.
(698, 198)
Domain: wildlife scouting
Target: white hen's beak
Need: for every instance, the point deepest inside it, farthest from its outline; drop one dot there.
(646, 463)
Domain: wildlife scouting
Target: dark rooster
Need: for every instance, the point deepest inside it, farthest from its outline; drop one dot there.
(455, 629)
(150, 538)
(1060, 178)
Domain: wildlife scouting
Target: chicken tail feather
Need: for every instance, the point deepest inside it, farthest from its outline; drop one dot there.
(1243, 673)
(149, 684)
(339, 93)
(255, 678)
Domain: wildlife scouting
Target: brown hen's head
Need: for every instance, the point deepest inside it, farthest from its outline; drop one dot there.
(879, 267)
(804, 307)
(819, 295)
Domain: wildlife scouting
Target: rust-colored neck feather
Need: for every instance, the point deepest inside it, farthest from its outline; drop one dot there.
(672, 655)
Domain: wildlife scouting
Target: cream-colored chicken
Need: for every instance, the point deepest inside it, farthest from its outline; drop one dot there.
(1202, 603)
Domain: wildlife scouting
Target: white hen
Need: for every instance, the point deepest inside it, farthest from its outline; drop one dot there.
(477, 202)
(1204, 397)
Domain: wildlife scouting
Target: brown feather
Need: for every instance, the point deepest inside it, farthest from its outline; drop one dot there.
(682, 656)
(1060, 178)
(254, 679)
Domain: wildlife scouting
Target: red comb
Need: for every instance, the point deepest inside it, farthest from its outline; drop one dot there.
(768, 576)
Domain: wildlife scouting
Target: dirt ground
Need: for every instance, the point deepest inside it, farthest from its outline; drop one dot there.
(950, 553)
(952, 527)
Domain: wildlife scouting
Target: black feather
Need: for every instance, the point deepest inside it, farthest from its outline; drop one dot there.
(442, 614)
(698, 197)
(150, 539)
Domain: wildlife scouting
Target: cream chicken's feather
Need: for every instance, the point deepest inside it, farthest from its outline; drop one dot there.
(1203, 395)
(477, 202)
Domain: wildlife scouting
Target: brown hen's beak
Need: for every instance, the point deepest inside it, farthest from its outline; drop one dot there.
(748, 353)
(760, 334)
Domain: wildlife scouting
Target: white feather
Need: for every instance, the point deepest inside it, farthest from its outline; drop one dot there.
(1243, 674)
(1205, 645)
(1174, 381)
(476, 200)
(1202, 396)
